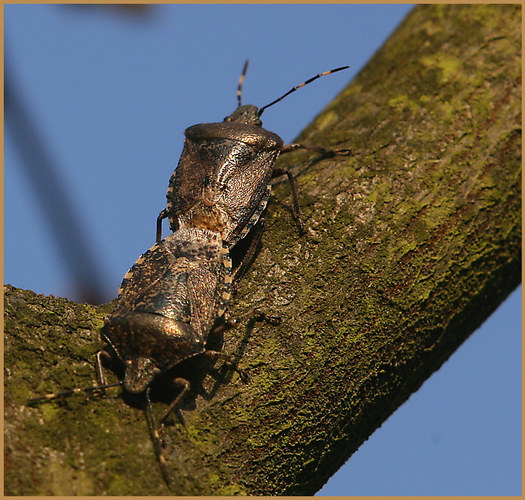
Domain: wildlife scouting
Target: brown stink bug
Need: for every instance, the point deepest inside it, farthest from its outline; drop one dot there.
(168, 303)
(171, 298)
(224, 172)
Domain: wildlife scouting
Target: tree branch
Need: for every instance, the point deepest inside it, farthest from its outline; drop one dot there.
(410, 246)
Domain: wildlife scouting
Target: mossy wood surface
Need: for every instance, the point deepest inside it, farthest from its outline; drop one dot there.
(411, 244)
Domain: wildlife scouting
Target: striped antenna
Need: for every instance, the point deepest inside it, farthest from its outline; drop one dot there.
(150, 417)
(241, 81)
(64, 394)
(302, 85)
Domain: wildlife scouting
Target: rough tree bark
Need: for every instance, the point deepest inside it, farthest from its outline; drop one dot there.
(411, 244)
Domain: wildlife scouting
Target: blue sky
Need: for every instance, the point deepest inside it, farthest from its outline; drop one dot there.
(111, 96)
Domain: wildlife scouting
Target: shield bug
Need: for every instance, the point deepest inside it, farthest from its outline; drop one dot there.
(168, 303)
(225, 169)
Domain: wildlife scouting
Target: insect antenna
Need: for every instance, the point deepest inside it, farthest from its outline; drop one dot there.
(65, 394)
(301, 85)
(154, 428)
(241, 81)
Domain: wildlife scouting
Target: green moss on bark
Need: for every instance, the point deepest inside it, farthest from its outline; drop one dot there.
(411, 244)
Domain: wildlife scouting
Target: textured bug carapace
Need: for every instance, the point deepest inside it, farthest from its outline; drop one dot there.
(172, 297)
(225, 170)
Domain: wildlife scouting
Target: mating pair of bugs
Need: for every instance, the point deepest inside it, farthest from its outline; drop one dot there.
(171, 299)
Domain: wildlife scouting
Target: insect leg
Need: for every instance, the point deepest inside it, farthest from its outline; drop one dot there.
(287, 148)
(214, 355)
(253, 314)
(95, 390)
(185, 387)
(296, 211)
(99, 368)
(244, 251)
(163, 215)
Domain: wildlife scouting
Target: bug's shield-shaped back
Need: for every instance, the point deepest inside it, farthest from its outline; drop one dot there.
(222, 177)
(168, 301)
